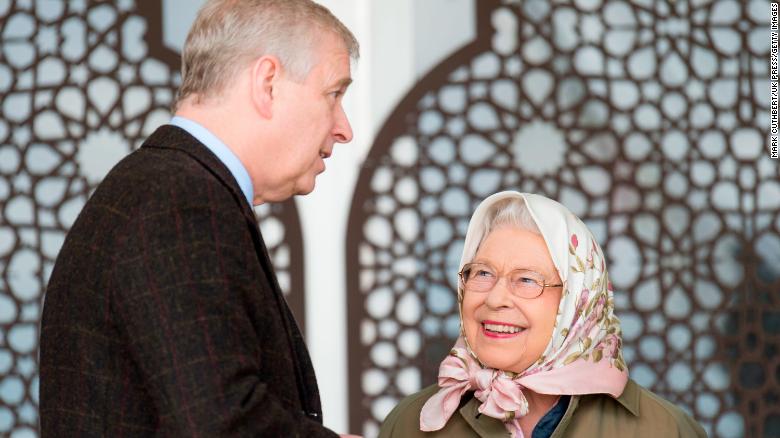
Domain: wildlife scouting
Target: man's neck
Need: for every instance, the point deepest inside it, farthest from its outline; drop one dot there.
(227, 125)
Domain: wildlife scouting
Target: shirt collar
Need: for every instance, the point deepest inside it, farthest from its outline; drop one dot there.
(221, 150)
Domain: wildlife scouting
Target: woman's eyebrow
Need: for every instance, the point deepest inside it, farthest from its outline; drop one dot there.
(530, 267)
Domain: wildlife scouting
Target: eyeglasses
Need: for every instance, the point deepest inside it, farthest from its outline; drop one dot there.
(480, 277)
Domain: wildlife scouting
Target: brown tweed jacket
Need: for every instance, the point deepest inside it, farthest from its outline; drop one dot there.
(163, 316)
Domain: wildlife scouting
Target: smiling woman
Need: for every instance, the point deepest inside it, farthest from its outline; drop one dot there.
(540, 348)
(515, 317)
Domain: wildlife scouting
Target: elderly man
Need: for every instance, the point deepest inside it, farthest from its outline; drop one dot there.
(163, 316)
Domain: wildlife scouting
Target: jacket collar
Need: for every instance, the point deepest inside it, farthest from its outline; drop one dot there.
(629, 399)
(173, 137)
(486, 426)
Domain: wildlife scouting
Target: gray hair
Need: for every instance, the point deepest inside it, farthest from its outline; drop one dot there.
(511, 212)
(228, 34)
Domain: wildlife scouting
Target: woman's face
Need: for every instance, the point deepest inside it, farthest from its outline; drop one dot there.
(501, 345)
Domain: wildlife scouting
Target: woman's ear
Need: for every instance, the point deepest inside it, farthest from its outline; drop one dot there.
(265, 73)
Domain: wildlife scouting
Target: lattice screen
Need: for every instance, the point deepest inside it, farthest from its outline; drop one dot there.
(81, 85)
(648, 119)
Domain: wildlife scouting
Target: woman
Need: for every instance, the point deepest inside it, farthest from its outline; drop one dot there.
(540, 349)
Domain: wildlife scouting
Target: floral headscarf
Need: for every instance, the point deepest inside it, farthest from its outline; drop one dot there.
(584, 354)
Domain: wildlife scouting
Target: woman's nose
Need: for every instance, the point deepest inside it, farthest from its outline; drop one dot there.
(500, 295)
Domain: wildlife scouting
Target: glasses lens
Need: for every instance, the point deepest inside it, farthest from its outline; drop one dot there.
(527, 284)
(478, 277)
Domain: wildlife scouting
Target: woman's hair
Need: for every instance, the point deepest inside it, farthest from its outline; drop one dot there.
(512, 212)
(228, 34)
(507, 212)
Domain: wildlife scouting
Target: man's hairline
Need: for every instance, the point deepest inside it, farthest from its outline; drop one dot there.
(342, 83)
(345, 46)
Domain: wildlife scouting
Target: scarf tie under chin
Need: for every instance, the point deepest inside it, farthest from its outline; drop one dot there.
(502, 397)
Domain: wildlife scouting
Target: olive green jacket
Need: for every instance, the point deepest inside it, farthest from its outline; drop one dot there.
(636, 413)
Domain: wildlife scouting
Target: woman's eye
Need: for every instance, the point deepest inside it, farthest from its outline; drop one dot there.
(525, 280)
(483, 273)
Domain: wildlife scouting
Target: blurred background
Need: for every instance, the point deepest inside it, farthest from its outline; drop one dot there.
(648, 119)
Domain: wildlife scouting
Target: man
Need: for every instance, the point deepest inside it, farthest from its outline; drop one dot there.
(163, 316)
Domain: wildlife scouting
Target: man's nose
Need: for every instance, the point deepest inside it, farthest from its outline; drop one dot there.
(342, 131)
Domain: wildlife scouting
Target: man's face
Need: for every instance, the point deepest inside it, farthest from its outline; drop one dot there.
(311, 118)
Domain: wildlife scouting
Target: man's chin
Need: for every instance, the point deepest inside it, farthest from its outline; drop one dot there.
(305, 187)
(304, 192)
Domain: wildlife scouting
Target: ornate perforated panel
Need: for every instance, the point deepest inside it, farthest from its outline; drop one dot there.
(81, 85)
(648, 120)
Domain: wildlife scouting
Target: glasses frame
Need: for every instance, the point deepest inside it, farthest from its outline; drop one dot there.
(499, 276)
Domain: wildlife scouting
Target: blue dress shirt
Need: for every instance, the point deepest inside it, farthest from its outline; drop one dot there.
(220, 149)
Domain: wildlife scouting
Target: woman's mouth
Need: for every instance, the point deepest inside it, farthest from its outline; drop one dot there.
(495, 329)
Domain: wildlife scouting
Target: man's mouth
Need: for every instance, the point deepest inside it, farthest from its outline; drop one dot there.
(500, 329)
(324, 154)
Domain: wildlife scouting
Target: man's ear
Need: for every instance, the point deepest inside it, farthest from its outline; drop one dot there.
(265, 72)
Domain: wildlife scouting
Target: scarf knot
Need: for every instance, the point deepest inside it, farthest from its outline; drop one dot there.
(500, 396)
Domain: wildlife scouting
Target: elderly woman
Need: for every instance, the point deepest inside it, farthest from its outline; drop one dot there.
(540, 350)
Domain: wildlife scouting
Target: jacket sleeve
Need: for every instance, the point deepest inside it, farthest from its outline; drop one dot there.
(388, 429)
(180, 296)
(687, 427)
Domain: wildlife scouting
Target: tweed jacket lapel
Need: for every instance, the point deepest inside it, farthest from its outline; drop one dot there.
(172, 137)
